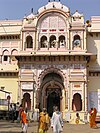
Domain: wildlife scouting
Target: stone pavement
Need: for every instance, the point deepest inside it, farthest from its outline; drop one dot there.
(8, 127)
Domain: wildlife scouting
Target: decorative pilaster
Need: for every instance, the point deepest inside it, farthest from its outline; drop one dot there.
(66, 99)
(86, 102)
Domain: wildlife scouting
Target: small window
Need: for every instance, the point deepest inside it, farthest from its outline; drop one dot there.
(2, 87)
(5, 58)
(76, 41)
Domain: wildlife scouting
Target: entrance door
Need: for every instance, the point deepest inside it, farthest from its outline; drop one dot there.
(52, 100)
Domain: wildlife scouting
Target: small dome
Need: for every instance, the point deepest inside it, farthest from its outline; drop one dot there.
(31, 16)
(77, 14)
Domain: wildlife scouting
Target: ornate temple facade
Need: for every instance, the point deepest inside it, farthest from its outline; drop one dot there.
(51, 58)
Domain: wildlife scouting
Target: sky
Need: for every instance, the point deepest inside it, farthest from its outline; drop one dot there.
(17, 9)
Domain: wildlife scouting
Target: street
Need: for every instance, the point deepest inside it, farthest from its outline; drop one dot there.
(8, 127)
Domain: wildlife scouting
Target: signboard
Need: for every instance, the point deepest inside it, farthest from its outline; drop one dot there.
(27, 86)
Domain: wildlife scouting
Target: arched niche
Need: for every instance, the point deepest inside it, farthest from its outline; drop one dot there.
(52, 41)
(61, 42)
(26, 101)
(77, 102)
(76, 41)
(29, 42)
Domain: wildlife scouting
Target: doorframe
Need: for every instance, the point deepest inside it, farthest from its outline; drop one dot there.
(44, 95)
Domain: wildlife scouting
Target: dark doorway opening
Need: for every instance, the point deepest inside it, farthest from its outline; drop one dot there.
(52, 100)
(26, 101)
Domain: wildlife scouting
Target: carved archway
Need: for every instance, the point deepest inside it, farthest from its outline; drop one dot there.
(49, 70)
(51, 92)
(40, 80)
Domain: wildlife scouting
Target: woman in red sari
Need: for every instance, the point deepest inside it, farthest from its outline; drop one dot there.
(93, 113)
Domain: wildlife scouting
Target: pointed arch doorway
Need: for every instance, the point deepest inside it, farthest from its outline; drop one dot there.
(51, 91)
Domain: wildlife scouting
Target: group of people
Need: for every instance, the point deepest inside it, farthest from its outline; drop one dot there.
(20, 114)
(55, 122)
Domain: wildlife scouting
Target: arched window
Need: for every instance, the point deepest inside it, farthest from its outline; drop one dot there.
(76, 41)
(29, 42)
(43, 42)
(61, 42)
(77, 102)
(6, 56)
(52, 41)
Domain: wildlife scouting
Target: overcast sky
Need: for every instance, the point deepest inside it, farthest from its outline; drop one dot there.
(16, 9)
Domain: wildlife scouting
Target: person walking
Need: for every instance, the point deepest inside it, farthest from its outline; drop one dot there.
(44, 121)
(24, 121)
(56, 121)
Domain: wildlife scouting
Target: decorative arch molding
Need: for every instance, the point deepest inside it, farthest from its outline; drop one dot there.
(6, 52)
(77, 92)
(14, 52)
(49, 84)
(49, 70)
(52, 10)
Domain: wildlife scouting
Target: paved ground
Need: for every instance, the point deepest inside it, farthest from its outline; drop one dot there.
(8, 127)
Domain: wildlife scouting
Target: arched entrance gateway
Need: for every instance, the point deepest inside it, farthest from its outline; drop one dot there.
(51, 92)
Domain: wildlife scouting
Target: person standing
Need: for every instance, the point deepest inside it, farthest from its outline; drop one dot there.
(20, 109)
(92, 117)
(56, 121)
(24, 121)
(44, 121)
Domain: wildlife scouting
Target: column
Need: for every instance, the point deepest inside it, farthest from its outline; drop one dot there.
(86, 100)
(61, 103)
(66, 99)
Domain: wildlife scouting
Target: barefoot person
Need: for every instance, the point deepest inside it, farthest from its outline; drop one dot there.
(56, 121)
(44, 121)
(93, 113)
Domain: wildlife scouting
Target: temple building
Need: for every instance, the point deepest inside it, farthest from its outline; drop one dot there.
(51, 58)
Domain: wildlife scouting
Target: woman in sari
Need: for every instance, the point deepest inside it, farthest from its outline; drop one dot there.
(44, 121)
(93, 113)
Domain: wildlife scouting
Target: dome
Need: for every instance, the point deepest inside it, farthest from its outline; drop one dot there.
(52, 5)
